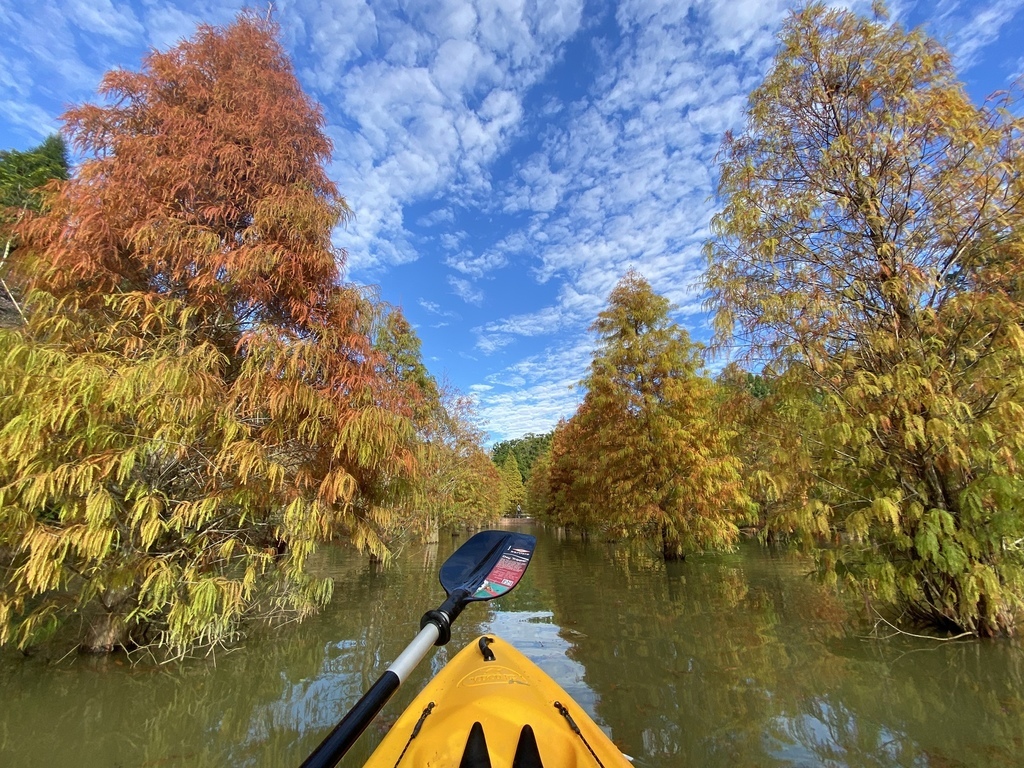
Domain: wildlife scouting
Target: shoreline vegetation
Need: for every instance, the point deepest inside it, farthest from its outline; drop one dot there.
(194, 400)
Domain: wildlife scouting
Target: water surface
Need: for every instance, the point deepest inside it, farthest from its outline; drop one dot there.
(726, 660)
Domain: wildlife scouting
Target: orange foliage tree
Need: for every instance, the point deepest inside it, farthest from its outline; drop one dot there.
(196, 402)
(644, 452)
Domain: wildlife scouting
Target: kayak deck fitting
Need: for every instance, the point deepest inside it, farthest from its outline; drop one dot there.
(491, 707)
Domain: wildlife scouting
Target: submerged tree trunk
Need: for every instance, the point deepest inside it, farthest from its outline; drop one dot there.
(433, 534)
(108, 631)
(671, 547)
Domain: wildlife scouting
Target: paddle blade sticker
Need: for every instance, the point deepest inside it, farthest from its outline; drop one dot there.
(505, 574)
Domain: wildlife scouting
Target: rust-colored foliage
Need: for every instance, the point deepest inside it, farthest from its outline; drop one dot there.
(205, 181)
(196, 402)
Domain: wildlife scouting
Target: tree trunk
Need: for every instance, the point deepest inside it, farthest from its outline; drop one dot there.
(108, 631)
(433, 534)
(671, 547)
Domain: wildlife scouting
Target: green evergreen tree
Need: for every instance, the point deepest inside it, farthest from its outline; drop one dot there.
(22, 176)
(526, 449)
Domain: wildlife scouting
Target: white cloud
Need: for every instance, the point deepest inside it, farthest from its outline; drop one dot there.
(40, 51)
(544, 389)
(440, 216)
(99, 17)
(476, 266)
(543, 322)
(35, 121)
(1018, 70)
(493, 342)
(337, 33)
(166, 25)
(450, 241)
(435, 309)
(428, 99)
(466, 291)
(980, 28)
(745, 27)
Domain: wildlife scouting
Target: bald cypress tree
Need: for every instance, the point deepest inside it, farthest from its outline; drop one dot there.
(870, 250)
(512, 479)
(196, 402)
(644, 452)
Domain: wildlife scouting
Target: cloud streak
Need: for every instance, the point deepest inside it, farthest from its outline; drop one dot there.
(971, 30)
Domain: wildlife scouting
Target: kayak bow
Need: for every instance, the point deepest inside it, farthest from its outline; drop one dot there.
(491, 707)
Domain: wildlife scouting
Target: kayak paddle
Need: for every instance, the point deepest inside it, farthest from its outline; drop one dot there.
(487, 566)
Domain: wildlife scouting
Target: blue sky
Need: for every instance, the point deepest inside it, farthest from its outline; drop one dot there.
(507, 160)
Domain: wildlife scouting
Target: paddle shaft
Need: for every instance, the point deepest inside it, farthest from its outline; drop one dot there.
(345, 733)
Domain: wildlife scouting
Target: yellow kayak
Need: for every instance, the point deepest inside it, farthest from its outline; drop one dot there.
(491, 707)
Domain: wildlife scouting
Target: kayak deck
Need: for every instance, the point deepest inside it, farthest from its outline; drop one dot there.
(491, 707)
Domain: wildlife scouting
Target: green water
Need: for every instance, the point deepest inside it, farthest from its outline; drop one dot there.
(733, 660)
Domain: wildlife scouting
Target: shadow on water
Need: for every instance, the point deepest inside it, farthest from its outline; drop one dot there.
(722, 660)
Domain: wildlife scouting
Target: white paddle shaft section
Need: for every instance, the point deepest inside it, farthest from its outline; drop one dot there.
(414, 652)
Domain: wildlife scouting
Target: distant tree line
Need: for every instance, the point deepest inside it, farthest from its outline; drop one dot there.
(526, 449)
(514, 459)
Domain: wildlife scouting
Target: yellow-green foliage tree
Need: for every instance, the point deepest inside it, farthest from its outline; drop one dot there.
(195, 403)
(573, 494)
(644, 452)
(463, 487)
(766, 436)
(538, 485)
(512, 479)
(870, 250)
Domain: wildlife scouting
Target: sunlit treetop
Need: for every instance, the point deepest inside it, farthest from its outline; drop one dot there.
(204, 177)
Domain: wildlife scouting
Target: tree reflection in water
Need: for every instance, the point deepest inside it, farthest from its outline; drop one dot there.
(743, 660)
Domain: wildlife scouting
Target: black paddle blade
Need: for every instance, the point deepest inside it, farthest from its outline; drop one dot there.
(488, 565)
